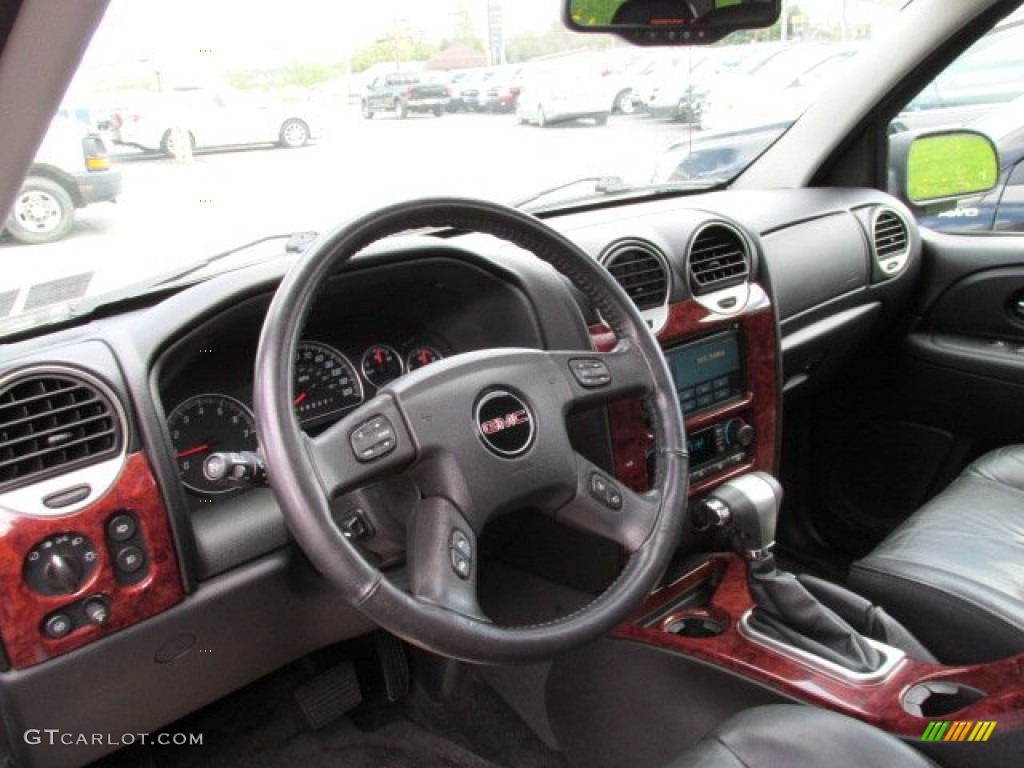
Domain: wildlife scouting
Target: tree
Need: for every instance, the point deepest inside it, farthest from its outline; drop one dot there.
(392, 49)
(555, 39)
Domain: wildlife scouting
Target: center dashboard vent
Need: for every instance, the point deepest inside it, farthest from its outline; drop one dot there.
(890, 242)
(640, 269)
(53, 422)
(718, 258)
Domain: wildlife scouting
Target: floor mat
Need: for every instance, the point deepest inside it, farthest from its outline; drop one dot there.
(260, 727)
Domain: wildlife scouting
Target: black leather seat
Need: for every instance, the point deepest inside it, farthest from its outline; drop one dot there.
(791, 736)
(953, 573)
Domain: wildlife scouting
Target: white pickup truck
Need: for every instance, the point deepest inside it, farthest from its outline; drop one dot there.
(70, 170)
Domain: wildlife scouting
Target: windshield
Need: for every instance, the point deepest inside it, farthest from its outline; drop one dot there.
(216, 123)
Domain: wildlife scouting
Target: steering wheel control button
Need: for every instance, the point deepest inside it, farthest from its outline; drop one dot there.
(121, 527)
(461, 552)
(373, 438)
(590, 372)
(505, 423)
(130, 559)
(57, 625)
(605, 491)
(460, 543)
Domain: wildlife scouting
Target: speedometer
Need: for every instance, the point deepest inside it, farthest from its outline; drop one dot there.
(325, 384)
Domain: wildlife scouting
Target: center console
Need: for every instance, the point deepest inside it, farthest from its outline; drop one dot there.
(726, 373)
(702, 615)
(725, 370)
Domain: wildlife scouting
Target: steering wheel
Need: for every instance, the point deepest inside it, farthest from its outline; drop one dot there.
(479, 433)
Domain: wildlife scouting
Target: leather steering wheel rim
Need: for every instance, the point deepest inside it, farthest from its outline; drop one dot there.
(305, 472)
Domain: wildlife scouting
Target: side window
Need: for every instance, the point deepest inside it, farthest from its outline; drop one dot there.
(981, 91)
(1016, 176)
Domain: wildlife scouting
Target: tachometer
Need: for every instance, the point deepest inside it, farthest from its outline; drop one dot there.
(326, 383)
(202, 425)
(382, 364)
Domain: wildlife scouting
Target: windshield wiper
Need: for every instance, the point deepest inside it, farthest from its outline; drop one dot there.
(607, 186)
(603, 185)
(297, 243)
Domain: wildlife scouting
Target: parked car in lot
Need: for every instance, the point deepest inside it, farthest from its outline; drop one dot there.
(71, 170)
(499, 90)
(666, 78)
(404, 93)
(211, 118)
(560, 89)
(779, 90)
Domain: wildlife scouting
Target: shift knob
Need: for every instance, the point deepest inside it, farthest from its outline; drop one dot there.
(749, 505)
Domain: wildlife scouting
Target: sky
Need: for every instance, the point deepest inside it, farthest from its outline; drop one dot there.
(212, 35)
(259, 30)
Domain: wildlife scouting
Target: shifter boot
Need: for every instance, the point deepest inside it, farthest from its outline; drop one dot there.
(785, 611)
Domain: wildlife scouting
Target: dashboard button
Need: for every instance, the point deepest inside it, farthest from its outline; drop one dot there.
(121, 527)
(57, 625)
(130, 559)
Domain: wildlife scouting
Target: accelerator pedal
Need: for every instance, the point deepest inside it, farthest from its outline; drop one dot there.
(394, 666)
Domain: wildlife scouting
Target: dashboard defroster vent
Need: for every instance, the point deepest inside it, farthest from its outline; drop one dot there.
(53, 422)
(718, 258)
(890, 242)
(640, 269)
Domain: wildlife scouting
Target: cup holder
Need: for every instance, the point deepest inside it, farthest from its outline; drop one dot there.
(695, 626)
(939, 698)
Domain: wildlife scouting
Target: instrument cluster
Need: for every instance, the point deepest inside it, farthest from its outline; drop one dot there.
(327, 383)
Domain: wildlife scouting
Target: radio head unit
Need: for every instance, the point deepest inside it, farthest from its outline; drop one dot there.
(708, 372)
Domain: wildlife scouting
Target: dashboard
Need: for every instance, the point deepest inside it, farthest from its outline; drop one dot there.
(116, 552)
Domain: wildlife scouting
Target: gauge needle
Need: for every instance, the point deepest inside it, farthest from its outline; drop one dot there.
(299, 398)
(194, 450)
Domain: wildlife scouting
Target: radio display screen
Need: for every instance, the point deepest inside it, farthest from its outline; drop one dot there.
(707, 372)
(701, 446)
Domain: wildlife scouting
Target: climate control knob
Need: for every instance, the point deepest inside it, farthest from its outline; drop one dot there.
(738, 432)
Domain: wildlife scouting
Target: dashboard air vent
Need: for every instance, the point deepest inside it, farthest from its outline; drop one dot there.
(718, 258)
(890, 242)
(51, 422)
(640, 269)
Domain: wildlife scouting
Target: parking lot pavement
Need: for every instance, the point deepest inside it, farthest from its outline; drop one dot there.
(173, 213)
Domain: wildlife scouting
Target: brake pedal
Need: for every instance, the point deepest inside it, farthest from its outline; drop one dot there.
(329, 695)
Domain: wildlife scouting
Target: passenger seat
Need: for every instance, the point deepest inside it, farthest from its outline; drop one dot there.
(953, 572)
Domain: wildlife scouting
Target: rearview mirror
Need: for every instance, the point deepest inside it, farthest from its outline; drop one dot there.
(670, 22)
(939, 166)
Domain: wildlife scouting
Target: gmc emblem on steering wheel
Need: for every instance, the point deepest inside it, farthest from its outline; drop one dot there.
(504, 422)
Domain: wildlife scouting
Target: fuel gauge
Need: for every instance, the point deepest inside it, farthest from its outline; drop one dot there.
(381, 364)
(421, 355)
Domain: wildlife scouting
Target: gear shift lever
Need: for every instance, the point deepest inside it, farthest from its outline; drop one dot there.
(750, 503)
(784, 609)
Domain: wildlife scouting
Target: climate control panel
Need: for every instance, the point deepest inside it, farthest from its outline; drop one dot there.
(719, 447)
